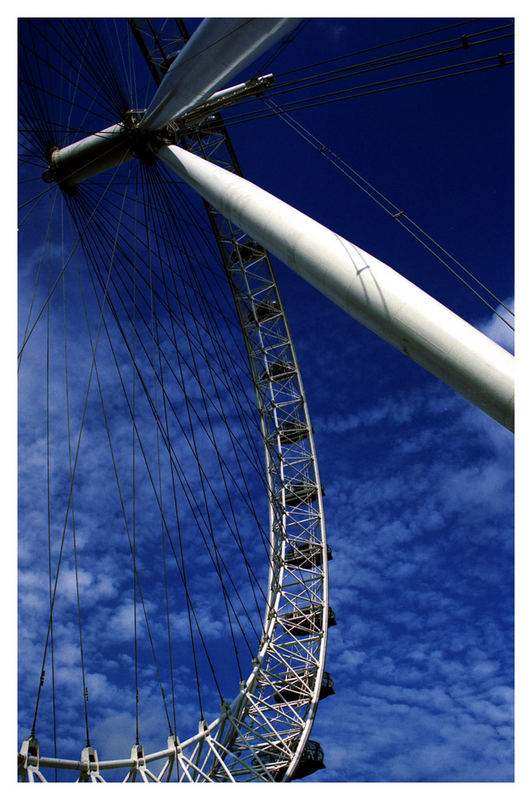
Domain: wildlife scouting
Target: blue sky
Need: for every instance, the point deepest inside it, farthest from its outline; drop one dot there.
(419, 484)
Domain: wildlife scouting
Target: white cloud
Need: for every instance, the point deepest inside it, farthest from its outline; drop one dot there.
(498, 330)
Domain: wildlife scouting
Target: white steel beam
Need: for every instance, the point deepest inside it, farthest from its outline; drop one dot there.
(218, 49)
(101, 151)
(369, 290)
(88, 157)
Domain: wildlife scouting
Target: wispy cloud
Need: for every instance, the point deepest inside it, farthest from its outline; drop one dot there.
(421, 583)
(497, 329)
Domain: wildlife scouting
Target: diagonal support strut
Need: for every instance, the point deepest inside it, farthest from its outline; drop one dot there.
(369, 290)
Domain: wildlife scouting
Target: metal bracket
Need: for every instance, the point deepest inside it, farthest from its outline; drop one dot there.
(90, 766)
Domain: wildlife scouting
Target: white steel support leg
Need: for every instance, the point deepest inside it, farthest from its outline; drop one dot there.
(218, 49)
(369, 290)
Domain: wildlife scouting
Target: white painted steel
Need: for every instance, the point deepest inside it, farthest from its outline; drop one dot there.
(369, 290)
(223, 98)
(102, 151)
(219, 49)
(89, 156)
(223, 93)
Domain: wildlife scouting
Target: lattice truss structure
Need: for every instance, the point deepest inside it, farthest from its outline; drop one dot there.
(263, 735)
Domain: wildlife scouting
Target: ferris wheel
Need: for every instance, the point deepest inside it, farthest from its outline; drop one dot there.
(170, 314)
(157, 520)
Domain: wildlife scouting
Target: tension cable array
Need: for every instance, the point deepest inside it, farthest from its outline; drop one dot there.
(208, 353)
(430, 244)
(441, 49)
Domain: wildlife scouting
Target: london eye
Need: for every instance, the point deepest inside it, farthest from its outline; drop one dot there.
(174, 577)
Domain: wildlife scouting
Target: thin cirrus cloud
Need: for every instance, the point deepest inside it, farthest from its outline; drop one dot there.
(421, 583)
